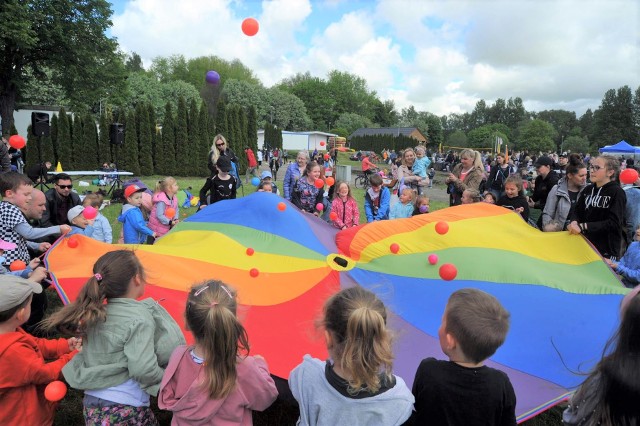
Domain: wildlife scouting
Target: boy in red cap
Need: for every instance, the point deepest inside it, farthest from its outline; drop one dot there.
(134, 226)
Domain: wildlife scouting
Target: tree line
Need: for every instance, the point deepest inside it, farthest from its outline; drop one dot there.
(62, 56)
(179, 146)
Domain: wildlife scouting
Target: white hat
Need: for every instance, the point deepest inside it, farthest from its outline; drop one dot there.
(15, 290)
(74, 212)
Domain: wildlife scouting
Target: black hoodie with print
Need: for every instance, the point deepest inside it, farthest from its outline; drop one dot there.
(603, 211)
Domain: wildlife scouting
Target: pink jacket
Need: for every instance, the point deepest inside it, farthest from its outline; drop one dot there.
(348, 213)
(181, 392)
(154, 223)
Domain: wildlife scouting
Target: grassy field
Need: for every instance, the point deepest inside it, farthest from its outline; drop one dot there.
(281, 413)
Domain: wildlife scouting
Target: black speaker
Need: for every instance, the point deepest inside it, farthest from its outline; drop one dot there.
(116, 134)
(40, 124)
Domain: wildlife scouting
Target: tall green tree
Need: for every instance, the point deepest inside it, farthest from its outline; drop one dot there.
(252, 129)
(194, 136)
(561, 120)
(537, 136)
(104, 150)
(204, 138)
(182, 137)
(221, 118)
(90, 143)
(77, 144)
(66, 38)
(64, 140)
(154, 132)
(165, 155)
(144, 140)
(127, 154)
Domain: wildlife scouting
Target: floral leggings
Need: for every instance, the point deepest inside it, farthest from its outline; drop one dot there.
(119, 414)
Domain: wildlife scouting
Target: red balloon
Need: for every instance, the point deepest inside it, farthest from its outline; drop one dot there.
(90, 212)
(395, 248)
(330, 181)
(17, 142)
(628, 176)
(55, 391)
(442, 228)
(72, 242)
(319, 207)
(17, 265)
(319, 183)
(250, 27)
(254, 272)
(448, 271)
(250, 251)
(282, 206)
(321, 143)
(333, 215)
(170, 212)
(433, 259)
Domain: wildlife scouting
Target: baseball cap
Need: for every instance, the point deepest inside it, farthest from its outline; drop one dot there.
(564, 154)
(74, 212)
(266, 174)
(224, 164)
(544, 161)
(6, 245)
(15, 290)
(132, 189)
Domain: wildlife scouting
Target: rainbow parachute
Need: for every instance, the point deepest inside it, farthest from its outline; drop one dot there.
(562, 297)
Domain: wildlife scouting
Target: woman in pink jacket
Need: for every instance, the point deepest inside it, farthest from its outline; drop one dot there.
(345, 208)
(215, 382)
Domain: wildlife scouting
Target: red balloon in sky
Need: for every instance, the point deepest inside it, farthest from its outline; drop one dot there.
(628, 176)
(250, 27)
(17, 142)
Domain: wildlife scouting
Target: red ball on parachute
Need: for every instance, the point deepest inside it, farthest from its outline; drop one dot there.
(442, 228)
(72, 242)
(395, 248)
(448, 271)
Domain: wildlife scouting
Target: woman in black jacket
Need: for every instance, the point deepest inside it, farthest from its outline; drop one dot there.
(600, 210)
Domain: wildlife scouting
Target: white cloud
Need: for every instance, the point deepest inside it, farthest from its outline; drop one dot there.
(440, 56)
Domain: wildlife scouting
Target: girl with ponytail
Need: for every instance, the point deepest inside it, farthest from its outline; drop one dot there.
(126, 343)
(215, 381)
(356, 385)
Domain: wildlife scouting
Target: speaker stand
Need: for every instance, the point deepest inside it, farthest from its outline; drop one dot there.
(42, 173)
(117, 182)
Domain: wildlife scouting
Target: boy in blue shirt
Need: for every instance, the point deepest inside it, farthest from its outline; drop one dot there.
(376, 200)
(134, 227)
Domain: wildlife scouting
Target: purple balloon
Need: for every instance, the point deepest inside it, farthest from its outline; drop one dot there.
(212, 77)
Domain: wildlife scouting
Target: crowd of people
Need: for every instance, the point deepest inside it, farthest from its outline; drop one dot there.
(124, 349)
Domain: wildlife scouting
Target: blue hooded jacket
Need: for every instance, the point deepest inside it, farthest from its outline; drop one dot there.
(134, 227)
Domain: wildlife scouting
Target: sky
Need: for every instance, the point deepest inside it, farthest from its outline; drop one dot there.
(439, 56)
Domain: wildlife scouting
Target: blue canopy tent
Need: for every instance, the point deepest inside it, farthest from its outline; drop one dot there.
(620, 148)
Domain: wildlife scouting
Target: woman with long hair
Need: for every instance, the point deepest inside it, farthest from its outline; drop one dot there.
(220, 148)
(468, 174)
(564, 195)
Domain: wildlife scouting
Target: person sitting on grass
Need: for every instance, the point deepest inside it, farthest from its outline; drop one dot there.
(376, 200)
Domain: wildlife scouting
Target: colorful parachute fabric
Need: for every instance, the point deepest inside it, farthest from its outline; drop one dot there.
(563, 299)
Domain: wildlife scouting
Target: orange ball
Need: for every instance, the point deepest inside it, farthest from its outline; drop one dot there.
(55, 391)
(170, 212)
(250, 27)
(282, 206)
(628, 176)
(17, 142)
(333, 215)
(319, 183)
(330, 181)
(250, 251)
(442, 228)
(17, 265)
(72, 242)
